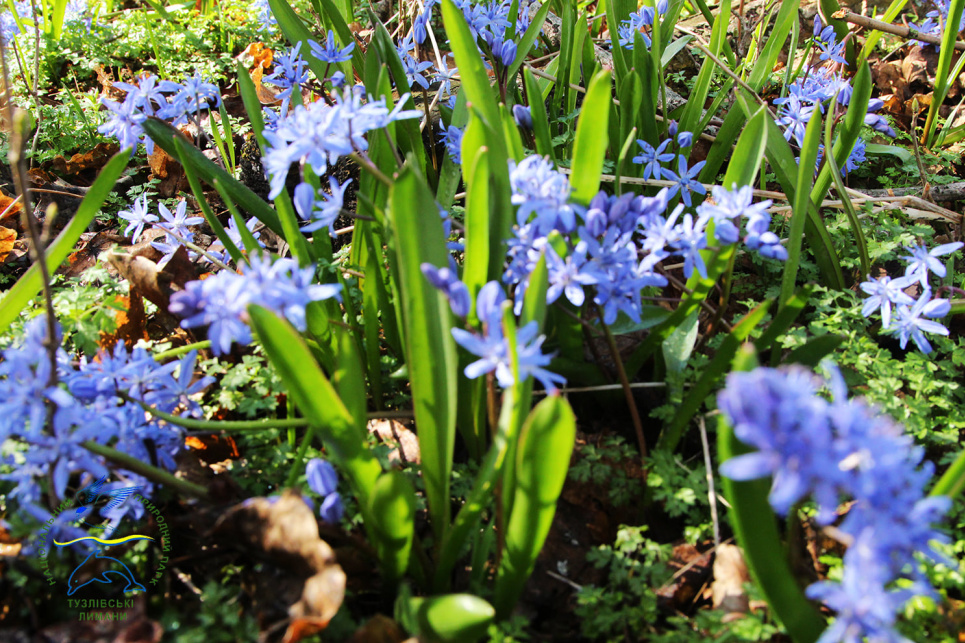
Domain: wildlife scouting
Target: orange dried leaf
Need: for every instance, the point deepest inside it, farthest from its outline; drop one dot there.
(7, 237)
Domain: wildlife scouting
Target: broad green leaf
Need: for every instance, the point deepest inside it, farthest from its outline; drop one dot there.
(847, 131)
(17, 296)
(393, 504)
(543, 459)
(814, 350)
(718, 367)
(589, 149)
(340, 27)
(943, 82)
(748, 153)
(680, 345)
(344, 437)
(477, 268)
(901, 153)
(537, 107)
(430, 349)
(856, 229)
(528, 40)
(450, 618)
(673, 49)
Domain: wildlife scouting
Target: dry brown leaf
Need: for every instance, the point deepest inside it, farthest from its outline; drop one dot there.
(730, 574)
(93, 160)
(379, 629)
(265, 95)
(155, 283)
(166, 168)
(285, 531)
(131, 321)
(7, 237)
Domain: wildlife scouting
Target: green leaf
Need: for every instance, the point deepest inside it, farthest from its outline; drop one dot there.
(901, 153)
(477, 268)
(698, 95)
(718, 367)
(943, 82)
(17, 296)
(543, 458)
(749, 152)
(801, 204)
(430, 349)
(393, 504)
(833, 169)
(526, 43)
(475, 81)
(344, 436)
(814, 350)
(589, 150)
(537, 107)
(450, 618)
(678, 347)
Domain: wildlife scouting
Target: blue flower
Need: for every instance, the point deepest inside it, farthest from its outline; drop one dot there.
(652, 159)
(922, 260)
(911, 322)
(884, 292)
(451, 138)
(686, 179)
(321, 214)
(323, 480)
(446, 280)
(138, 217)
(330, 53)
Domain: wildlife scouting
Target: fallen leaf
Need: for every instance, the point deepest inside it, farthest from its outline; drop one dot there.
(166, 168)
(213, 448)
(730, 574)
(93, 160)
(379, 629)
(131, 319)
(265, 95)
(155, 283)
(285, 530)
(7, 237)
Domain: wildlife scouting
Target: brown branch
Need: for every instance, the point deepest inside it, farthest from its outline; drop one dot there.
(898, 30)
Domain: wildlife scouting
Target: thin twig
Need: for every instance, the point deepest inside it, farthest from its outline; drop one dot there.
(898, 30)
(628, 393)
(711, 492)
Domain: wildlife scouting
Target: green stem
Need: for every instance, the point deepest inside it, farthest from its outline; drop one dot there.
(627, 391)
(953, 482)
(220, 425)
(150, 472)
(181, 350)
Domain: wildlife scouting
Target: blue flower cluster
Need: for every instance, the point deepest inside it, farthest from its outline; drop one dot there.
(150, 97)
(488, 23)
(221, 302)
(640, 22)
(834, 449)
(323, 480)
(318, 134)
(913, 318)
(815, 87)
(935, 21)
(616, 243)
(50, 423)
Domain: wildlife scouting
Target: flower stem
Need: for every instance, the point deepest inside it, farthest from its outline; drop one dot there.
(150, 472)
(627, 391)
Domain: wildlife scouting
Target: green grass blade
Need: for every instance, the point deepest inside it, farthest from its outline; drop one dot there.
(27, 287)
(537, 107)
(393, 503)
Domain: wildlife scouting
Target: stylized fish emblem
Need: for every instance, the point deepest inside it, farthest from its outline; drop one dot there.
(90, 494)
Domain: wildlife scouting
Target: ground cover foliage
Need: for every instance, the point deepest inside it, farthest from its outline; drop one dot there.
(467, 321)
